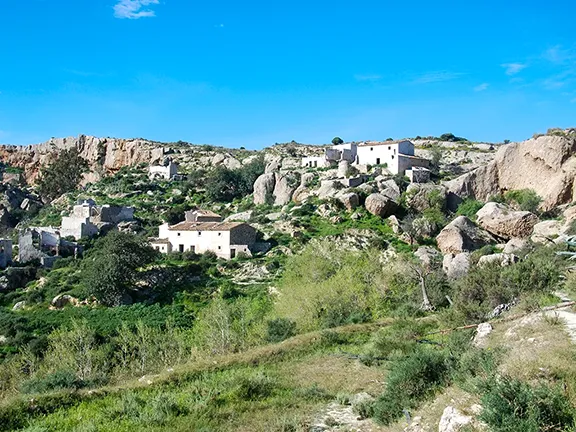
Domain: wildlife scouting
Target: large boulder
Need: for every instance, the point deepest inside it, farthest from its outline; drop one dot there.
(461, 235)
(422, 196)
(63, 300)
(286, 184)
(329, 189)
(545, 164)
(379, 205)
(388, 187)
(504, 222)
(456, 266)
(427, 255)
(546, 231)
(514, 246)
(351, 200)
(343, 168)
(263, 188)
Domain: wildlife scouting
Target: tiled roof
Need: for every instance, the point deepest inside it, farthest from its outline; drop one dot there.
(379, 143)
(160, 241)
(205, 226)
(206, 213)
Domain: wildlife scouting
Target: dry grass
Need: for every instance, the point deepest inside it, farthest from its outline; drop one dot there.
(337, 374)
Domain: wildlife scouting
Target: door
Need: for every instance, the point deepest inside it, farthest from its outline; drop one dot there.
(181, 248)
(232, 253)
(377, 161)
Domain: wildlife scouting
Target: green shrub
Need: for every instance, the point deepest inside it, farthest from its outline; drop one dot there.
(280, 329)
(254, 387)
(510, 405)
(410, 380)
(525, 199)
(469, 207)
(59, 380)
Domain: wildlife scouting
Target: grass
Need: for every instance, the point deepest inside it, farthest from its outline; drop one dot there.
(65, 410)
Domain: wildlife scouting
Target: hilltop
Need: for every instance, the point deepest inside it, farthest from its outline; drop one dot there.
(339, 314)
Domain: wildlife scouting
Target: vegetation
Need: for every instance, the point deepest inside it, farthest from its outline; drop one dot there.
(225, 184)
(524, 199)
(469, 207)
(62, 175)
(111, 266)
(337, 141)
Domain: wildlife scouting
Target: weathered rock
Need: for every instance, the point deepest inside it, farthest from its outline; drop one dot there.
(307, 179)
(242, 216)
(63, 300)
(461, 235)
(482, 332)
(456, 266)
(546, 231)
(502, 259)
(394, 224)
(19, 306)
(329, 189)
(514, 246)
(388, 188)
(232, 163)
(218, 159)
(286, 184)
(545, 164)
(453, 420)
(502, 221)
(379, 205)
(343, 168)
(422, 196)
(263, 188)
(350, 200)
(427, 255)
(273, 165)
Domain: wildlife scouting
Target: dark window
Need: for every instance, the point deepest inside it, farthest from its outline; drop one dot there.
(377, 161)
(232, 253)
(392, 156)
(199, 233)
(371, 148)
(178, 234)
(219, 247)
(181, 248)
(219, 234)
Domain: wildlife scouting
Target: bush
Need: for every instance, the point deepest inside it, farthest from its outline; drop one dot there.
(510, 405)
(525, 199)
(224, 184)
(251, 388)
(469, 207)
(59, 380)
(410, 380)
(280, 329)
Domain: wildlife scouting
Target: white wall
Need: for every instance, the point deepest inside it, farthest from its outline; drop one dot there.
(199, 241)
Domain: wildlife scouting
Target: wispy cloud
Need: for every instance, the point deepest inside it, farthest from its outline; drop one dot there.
(134, 9)
(557, 54)
(513, 68)
(368, 77)
(436, 76)
(481, 87)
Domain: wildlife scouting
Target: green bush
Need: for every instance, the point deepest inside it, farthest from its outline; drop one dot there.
(280, 329)
(254, 387)
(59, 380)
(510, 405)
(525, 199)
(62, 175)
(410, 380)
(469, 207)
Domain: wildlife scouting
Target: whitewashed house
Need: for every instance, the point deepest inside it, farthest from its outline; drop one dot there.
(204, 231)
(398, 156)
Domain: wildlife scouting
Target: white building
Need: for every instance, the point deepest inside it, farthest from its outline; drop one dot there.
(204, 231)
(166, 171)
(397, 156)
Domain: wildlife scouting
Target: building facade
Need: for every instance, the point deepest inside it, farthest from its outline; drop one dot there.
(200, 233)
(167, 171)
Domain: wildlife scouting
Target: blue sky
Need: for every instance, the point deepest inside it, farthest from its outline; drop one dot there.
(253, 73)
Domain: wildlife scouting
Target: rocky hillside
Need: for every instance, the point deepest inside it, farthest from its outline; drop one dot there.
(545, 164)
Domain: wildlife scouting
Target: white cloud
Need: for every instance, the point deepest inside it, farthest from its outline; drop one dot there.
(437, 76)
(134, 9)
(481, 87)
(513, 68)
(368, 77)
(558, 55)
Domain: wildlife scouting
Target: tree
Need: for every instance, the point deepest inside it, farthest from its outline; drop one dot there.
(62, 175)
(337, 141)
(111, 266)
(224, 184)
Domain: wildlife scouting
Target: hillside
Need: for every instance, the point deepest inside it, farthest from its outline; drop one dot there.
(357, 307)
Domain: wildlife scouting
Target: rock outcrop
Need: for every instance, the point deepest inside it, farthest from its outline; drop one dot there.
(286, 184)
(263, 188)
(461, 235)
(504, 222)
(379, 205)
(502, 259)
(456, 266)
(422, 196)
(545, 164)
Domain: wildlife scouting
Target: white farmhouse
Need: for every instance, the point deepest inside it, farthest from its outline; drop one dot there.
(166, 171)
(204, 231)
(398, 156)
